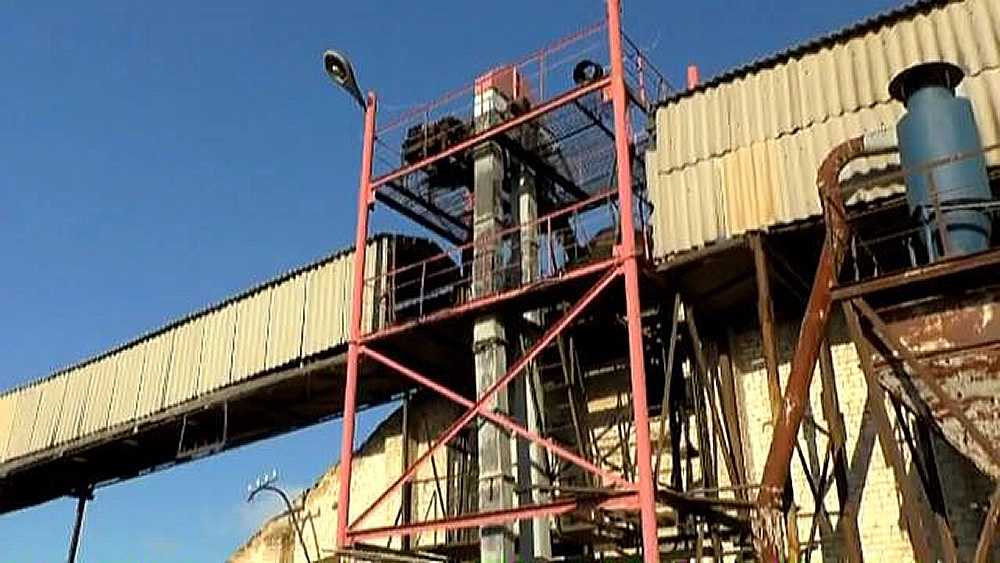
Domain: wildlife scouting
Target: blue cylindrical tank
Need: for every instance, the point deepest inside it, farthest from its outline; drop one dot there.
(939, 126)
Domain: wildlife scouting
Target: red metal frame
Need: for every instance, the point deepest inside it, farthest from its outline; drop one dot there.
(365, 201)
(639, 495)
(618, 501)
(478, 407)
(474, 140)
(633, 309)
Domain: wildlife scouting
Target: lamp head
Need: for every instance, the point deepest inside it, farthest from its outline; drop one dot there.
(338, 68)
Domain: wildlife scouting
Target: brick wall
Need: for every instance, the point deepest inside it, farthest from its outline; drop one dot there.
(880, 519)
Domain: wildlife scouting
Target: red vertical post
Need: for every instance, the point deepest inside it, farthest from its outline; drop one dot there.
(354, 343)
(693, 76)
(637, 364)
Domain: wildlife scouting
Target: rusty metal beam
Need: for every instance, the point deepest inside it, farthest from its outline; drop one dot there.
(890, 449)
(819, 489)
(838, 440)
(932, 271)
(811, 335)
(730, 412)
(703, 390)
(923, 461)
(765, 317)
(406, 495)
(668, 371)
(984, 547)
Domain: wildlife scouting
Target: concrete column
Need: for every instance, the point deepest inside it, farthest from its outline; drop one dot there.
(489, 338)
(536, 540)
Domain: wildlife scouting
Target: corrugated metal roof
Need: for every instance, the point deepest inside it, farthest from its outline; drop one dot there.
(815, 44)
(741, 154)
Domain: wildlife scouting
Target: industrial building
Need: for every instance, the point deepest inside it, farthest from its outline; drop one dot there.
(751, 318)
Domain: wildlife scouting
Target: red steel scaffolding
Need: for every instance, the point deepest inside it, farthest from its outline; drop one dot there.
(422, 189)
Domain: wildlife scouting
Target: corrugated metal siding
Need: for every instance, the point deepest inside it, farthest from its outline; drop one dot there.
(217, 354)
(185, 366)
(155, 368)
(251, 335)
(102, 389)
(74, 403)
(280, 322)
(742, 155)
(24, 421)
(49, 404)
(284, 342)
(325, 306)
(127, 383)
(8, 406)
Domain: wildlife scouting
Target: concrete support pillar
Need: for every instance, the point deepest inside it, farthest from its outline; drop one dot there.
(489, 338)
(535, 535)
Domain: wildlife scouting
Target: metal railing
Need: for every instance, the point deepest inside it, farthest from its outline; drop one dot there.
(572, 237)
(913, 237)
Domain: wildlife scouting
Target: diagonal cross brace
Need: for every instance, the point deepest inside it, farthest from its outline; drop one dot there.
(925, 373)
(479, 407)
(497, 418)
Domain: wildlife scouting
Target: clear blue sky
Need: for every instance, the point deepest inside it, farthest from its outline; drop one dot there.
(158, 156)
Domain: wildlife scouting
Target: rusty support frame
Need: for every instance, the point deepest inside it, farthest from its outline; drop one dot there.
(926, 374)
(987, 537)
(730, 412)
(890, 449)
(668, 374)
(922, 459)
(838, 440)
(765, 317)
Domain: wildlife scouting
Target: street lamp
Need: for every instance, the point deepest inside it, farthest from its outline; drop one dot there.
(266, 483)
(338, 68)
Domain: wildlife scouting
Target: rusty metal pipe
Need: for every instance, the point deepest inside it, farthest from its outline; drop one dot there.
(811, 334)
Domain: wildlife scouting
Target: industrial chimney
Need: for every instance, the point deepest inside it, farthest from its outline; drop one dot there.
(940, 150)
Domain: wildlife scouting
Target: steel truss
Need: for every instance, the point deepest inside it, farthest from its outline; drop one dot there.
(621, 493)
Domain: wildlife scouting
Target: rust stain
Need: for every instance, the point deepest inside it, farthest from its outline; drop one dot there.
(960, 338)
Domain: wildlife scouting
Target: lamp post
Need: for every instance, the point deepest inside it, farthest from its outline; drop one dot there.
(266, 483)
(338, 68)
